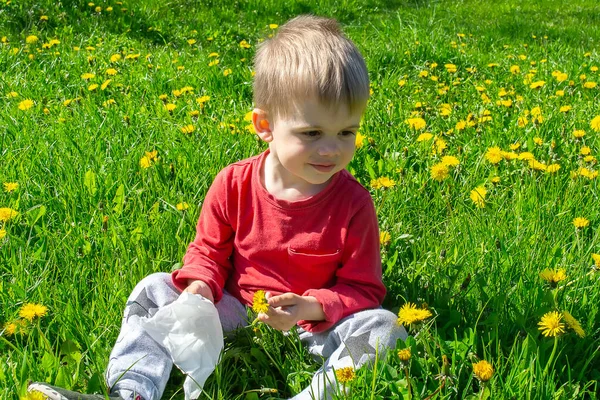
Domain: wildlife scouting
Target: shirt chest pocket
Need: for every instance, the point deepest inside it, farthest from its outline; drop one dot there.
(316, 270)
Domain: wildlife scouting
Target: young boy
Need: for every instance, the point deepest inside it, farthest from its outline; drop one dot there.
(290, 221)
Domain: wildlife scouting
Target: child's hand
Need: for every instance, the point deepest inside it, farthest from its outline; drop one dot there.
(201, 288)
(287, 309)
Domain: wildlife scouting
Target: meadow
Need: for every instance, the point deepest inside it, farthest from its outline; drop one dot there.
(480, 148)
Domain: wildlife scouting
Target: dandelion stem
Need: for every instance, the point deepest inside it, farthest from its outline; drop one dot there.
(551, 359)
(408, 383)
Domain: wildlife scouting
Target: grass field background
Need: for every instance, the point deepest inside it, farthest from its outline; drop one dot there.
(116, 116)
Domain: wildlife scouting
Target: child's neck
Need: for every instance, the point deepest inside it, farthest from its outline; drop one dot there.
(274, 179)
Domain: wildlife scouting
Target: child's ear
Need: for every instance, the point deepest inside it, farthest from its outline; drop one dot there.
(261, 123)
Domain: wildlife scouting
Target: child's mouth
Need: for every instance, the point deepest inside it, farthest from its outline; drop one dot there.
(323, 167)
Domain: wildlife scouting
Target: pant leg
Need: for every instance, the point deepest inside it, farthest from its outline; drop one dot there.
(138, 363)
(352, 342)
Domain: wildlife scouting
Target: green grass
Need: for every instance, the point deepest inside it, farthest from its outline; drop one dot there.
(92, 222)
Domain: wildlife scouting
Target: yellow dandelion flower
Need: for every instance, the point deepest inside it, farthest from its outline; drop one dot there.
(31, 310)
(2, 233)
(170, 107)
(410, 314)
(145, 162)
(595, 123)
(585, 150)
(34, 395)
(31, 39)
(424, 137)
(515, 146)
(553, 276)
(578, 133)
(404, 355)
(581, 222)
(551, 325)
(451, 68)
(416, 123)
(596, 258)
(460, 125)
(244, 44)
(10, 186)
(273, 26)
(87, 76)
(477, 195)
(93, 87)
(526, 156)
(538, 141)
(26, 104)
(105, 84)
(227, 72)
(440, 171)
(111, 72)
(450, 161)
(360, 140)
(565, 109)
(573, 324)
(115, 57)
(537, 84)
(552, 168)
(382, 182)
(494, 155)
(6, 214)
(259, 302)
(515, 69)
(590, 85)
(345, 375)
(385, 238)
(191, 41)
(188, 129)
(483, 370)
(10, 328)
(182, 206)
(439, 145)
(203, 99)
(495, 180)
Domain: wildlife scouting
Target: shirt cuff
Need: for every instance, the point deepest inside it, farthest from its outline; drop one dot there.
(332, 308)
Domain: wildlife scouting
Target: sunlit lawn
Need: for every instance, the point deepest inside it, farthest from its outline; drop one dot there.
(479, 146)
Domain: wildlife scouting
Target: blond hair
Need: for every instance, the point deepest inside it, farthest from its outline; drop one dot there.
(309, 56)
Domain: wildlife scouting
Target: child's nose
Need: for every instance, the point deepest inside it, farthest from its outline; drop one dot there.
(329, 148)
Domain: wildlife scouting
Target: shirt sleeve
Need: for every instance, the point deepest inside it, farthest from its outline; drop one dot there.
(359, 285)
(208, 257)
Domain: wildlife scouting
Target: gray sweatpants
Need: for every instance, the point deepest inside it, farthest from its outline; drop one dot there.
(141, 365)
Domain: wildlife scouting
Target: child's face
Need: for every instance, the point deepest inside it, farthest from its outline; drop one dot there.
(312, 144)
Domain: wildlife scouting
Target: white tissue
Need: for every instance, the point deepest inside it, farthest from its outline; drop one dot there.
(190, 330)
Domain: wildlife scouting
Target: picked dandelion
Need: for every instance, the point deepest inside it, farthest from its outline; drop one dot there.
(259, 302)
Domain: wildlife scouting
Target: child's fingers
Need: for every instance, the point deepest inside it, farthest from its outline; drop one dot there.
(286, 299)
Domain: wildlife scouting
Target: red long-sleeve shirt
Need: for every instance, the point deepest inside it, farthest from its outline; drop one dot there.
(326, 246)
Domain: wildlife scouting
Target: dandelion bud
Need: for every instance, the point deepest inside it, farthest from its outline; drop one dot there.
(404, 354)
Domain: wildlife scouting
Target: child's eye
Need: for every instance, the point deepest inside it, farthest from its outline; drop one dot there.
(347, 133)
(312, 133)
